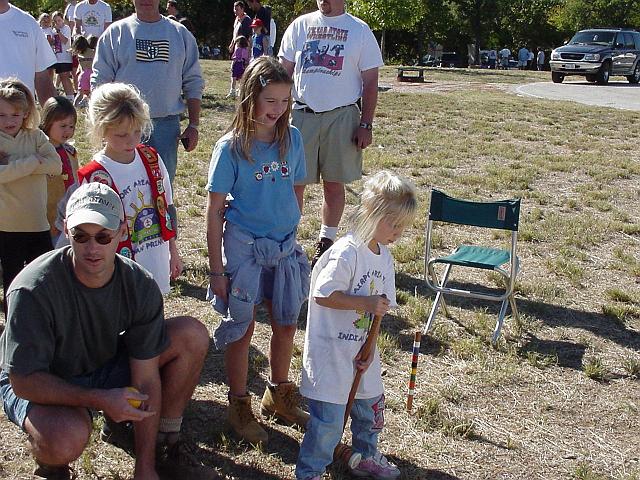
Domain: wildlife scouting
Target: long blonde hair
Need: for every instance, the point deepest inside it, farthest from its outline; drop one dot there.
(16, 93)
(385, 195)
(113, 103)
(261, 72)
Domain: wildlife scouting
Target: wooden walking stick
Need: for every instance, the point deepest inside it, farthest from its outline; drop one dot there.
(343, 452)
(365, 351)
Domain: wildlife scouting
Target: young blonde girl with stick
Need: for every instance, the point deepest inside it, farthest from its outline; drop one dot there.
(257, 162)
(118, 119)
(351, 283)
(26, 157)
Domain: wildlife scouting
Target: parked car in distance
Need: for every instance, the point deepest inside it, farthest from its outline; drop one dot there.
(597, 54)
(450, 60)
(427, 61)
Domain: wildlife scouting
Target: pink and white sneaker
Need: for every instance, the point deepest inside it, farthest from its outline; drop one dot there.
(377, 467)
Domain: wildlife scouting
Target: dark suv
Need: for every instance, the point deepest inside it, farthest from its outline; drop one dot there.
(597, 54)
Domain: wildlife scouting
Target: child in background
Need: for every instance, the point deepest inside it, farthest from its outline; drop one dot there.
(26, 156)
(259, 40)
(62, 49)
(85, 49)
(351, 282)
(118, 118)
(239, 62)
(44, 20)
(59, 123)
(257, 162)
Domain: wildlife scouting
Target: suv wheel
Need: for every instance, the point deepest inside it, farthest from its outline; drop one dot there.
(635, 77)
(604, 73)
(557, 77)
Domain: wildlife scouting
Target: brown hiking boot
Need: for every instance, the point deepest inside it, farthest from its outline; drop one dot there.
(242, 422)
(321, 246)
(282, 402)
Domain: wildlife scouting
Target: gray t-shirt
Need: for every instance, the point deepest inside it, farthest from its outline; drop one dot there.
(58, 325)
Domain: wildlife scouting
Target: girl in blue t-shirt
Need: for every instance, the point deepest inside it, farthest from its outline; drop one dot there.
(253, 169)
(259, 40)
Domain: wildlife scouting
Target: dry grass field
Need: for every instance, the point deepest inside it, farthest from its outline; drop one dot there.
(559, 397)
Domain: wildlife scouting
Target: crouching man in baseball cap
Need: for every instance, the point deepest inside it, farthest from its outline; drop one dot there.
(83, 324)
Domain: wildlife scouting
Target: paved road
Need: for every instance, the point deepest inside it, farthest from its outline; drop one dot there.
(617, 94)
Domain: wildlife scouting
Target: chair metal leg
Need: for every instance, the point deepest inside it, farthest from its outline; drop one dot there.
(445, 279)
(439, 297)
(501, 315)
(514, 310)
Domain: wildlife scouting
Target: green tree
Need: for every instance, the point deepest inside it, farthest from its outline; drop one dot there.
(383, 15)
(476, 20)
(573, 15)
(528, 23)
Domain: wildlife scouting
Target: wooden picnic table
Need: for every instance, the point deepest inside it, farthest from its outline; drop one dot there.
(416, 74)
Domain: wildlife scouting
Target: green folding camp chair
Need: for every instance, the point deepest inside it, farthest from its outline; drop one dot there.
(503, 214)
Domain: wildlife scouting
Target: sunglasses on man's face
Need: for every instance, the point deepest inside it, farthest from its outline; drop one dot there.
(103, 238)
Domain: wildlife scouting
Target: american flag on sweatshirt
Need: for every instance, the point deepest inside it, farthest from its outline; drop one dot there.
(152, 50)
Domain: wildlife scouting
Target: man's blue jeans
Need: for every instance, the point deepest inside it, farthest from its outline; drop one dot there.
(164, 138)
(324, 431)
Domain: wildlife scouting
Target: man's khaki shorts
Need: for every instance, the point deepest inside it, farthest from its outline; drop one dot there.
(329, 148)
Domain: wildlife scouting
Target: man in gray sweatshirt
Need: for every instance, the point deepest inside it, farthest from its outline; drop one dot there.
(160, 57)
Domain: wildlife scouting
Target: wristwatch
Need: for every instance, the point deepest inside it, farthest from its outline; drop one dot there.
(366, 126)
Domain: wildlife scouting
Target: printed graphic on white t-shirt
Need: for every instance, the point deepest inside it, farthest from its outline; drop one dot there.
(322, 50)
(334, 337)
(132, 182)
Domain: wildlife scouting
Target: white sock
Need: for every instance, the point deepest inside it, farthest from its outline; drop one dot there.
(328, 232)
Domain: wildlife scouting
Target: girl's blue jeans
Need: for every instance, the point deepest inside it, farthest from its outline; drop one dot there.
(324, 431)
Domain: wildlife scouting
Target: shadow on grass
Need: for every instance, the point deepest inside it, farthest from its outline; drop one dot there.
(213, 371)
(192, 290)
(551, 315)
(216, 448)
(569, 354)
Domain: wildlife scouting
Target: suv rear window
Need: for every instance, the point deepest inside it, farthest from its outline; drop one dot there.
(592, 37)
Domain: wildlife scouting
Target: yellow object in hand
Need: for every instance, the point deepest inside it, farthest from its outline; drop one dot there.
(132, 401)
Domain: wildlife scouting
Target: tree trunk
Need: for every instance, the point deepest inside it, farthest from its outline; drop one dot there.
(382, 44)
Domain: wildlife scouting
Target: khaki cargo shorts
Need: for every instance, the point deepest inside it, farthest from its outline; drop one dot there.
(328, 144)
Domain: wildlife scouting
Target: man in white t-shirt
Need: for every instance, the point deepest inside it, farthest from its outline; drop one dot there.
(92, 17)
(69, 14)
(25, 52)
(333, 58)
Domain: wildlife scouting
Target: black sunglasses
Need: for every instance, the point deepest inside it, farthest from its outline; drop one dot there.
(103, 238)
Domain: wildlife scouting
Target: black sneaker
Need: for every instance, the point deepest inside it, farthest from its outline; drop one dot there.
(322, 246)
(178, 460)
(119, 435)
(50, 472)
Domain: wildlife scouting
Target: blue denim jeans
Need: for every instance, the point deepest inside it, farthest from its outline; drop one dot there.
(114, 374)
(164, 138)
(324, 431)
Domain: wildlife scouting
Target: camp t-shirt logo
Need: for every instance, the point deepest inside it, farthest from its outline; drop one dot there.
(322, 52)
(91, 20)
(145, 223)
(152, 50)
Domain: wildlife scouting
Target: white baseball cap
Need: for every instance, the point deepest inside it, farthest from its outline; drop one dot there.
(95, 203)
